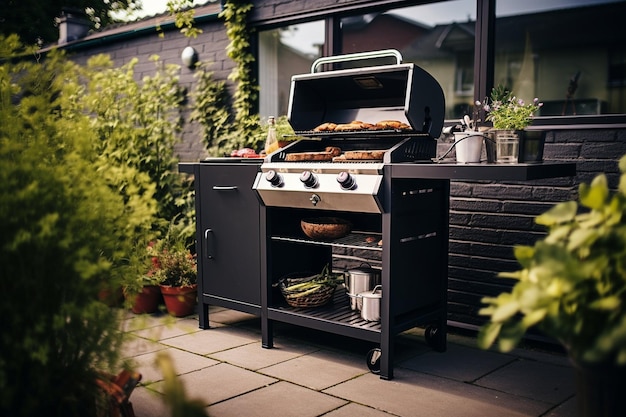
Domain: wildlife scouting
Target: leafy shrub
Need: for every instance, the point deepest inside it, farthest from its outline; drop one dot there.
(66, 232)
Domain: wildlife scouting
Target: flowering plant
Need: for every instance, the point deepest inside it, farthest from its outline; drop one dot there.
(508, 112)
(172, 263)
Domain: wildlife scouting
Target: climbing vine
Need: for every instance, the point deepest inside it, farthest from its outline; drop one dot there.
(211, 109)
(212, 104)
(235, 14)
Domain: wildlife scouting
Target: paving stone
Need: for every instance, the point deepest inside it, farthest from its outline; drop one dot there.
(167, 330)
(220, 382)
(459, 362)
(135, 346)
(148, 403)
(317, 370)
(253, 356)
(212, 340)
(183, 362)
(412, 394)
(541, 381)
(232, 317)
(282, 399)
(566, 409)
(352, 410)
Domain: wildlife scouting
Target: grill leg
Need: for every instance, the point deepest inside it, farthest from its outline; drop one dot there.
(203, 316)
(267, 332)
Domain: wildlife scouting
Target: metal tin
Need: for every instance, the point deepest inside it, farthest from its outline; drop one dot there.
(358, 280)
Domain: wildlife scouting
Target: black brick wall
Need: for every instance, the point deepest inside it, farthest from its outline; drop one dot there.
(487, 219)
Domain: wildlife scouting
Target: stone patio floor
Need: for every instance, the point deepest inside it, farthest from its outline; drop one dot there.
(310, 373)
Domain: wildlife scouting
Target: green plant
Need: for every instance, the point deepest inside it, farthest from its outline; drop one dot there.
(173, 263)
(138, 125)
(235, 14)
(210, 108)
(65, 231)
(144, 264)
(573, 282)
(508, 112)
(184, 17)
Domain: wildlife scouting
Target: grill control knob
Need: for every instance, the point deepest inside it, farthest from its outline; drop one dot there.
(346, 181)
(308, 179)
(274, 178)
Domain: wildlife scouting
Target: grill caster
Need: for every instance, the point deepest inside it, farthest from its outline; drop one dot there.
(373, 360)
(434, 338)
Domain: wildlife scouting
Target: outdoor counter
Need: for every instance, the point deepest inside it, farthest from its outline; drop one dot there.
(484, 171)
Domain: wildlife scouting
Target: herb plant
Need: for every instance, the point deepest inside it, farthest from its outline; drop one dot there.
(507, 112)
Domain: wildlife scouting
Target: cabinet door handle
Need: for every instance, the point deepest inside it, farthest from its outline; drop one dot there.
(207, 252)
(224, 187)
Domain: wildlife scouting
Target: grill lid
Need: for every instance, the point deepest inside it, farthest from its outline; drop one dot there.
(403, 92)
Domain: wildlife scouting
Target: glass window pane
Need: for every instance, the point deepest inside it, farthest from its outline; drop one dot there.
(438, 37)
(284, 52)
(569, 53)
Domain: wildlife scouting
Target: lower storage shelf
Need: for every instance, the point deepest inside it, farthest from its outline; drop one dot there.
(335, 317)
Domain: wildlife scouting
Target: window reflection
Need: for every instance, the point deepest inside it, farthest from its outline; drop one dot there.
(437, 37)
(282, 53)
(569, 53)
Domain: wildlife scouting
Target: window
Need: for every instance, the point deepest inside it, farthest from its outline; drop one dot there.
(437, 37)
(569, 53)
(282, 53)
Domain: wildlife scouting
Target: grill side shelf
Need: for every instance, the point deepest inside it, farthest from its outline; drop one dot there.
(354, 240)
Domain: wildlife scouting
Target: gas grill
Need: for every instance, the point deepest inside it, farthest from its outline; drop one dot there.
(355, 181)
(404, 93)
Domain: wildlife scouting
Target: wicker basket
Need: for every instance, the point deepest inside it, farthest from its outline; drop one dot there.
(313, 299)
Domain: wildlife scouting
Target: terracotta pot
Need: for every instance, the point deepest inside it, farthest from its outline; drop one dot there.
(180, 301)
(111, 297)
(146, 301)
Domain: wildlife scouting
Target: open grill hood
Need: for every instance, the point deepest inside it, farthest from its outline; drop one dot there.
(399, 92)
(403, 92)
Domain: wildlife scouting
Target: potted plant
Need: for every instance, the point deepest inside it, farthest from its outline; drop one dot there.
(176, 273)
(572, 286)
(510, 117)
(141, 284)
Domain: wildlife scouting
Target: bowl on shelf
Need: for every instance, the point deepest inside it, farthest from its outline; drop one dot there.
(325, 228)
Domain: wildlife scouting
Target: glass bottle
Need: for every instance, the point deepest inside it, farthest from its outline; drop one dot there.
(271, 142)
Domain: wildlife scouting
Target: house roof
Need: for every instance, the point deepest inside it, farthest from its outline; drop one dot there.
(115, 32)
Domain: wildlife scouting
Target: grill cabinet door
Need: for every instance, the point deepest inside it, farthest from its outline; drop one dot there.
(229, 256)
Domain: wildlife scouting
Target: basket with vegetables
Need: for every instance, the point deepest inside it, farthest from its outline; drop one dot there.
(306, 289)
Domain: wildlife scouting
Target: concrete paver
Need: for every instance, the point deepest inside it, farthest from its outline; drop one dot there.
(220, 382)
(412, 394)
(315, 374)
(546, 382)
(282, 399)
(318, 370)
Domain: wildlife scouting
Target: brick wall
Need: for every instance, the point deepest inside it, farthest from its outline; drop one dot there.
(487, 219)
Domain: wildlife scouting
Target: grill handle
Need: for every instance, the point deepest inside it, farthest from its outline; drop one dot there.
(357, 56)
